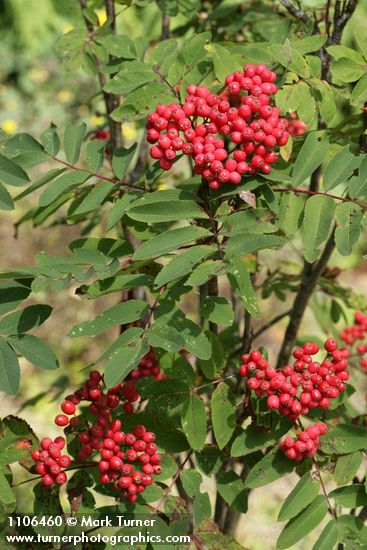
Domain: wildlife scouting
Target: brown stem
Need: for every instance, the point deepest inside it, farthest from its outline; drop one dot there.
(314, 192)
(221, 509)
(341, 18)
(272, 322)
(363, 144)
(110, 12)
(213, 291)
(165, 26)
(330, 508)
(233, 516)
(99, 176)
(310, 277)
(296, 12)
(175, 478)
(153, 308)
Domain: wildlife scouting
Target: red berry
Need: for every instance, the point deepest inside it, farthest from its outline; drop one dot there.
(331, 344)
(48, 480)
(46, 442)
(61, 420)
(273, 402)
(68, 407)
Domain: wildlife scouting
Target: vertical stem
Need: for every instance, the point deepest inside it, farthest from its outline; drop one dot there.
(213, 291)
(310, 277)
(363, 145)
(165, 26)
(110, 12)
(248, 331)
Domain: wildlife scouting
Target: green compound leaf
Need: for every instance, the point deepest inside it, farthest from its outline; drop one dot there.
(223, 407)
(311, 155)
(123, 361)
(73, 139)
(273, 466)
(169, 241)
(305, 522)
(344, 439)
(9, 369)
(347, 467)
(302, 495)
(318, 216)
(193, 421)
(11, 173)
(349, 217)
(328, 538)
(35, 351)
(120, 314)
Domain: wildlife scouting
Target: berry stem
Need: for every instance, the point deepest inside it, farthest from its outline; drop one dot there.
(319, 476)
(153, 308)
(172, 484)
(214, 382)
(272, 322)
(318, 471)
(309, 192)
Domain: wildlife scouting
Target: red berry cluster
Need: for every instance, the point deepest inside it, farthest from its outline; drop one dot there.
(242, 114)
(102, 400)
(115, 450)
(296, 126)
(358, 331)
(306, 384)
(119, 451)
(101, 135)
(50, 463)
(305, 444)
(148, 366)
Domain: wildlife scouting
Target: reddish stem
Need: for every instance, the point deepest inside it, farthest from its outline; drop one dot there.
(99, 176)
(308, 192)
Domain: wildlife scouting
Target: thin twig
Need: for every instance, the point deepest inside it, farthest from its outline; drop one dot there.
(172, 484)
(272, 322)
(153, 308)
(309, 279)
(296, 12)
(214, 382)
(330, 508)
(99, 176)
(310, 192)
(165, 26)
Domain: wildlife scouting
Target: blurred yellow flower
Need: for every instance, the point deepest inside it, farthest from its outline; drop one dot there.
(96, 120)
(9, 126)
(128, 131)
(38, 75)
(68, 28)
(102, 16)
(162, 186)
(64, 96)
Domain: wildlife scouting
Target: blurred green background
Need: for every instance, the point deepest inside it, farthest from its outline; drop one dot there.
(37, 88)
